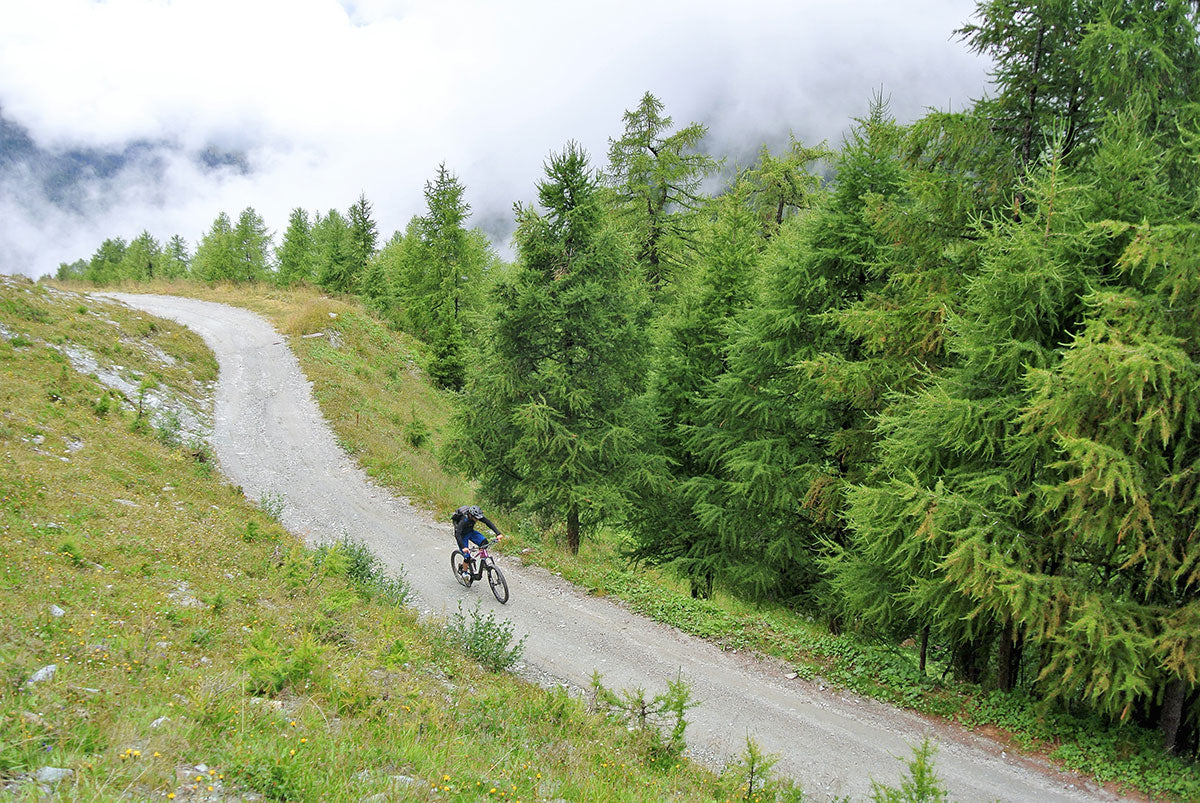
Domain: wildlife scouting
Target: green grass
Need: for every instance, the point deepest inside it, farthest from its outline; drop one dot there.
(195, 631)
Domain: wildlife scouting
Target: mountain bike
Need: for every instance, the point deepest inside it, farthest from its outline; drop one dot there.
(484, 564)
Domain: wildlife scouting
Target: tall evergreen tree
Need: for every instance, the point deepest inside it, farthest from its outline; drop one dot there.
(364, 238)
(766, 513)
(974, 520)
(690, 356)
(895, 336)
(551, 416)
(334, 253)
(656, 173)
(105, 265)
(296, 257)
(401, 262)
(143, 259)
(444, 280)
(251, 246)
(784, 184)
(216, 257)
(176, 259)
(1035, 48)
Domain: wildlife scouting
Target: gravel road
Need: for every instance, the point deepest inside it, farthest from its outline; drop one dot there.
(270, 438)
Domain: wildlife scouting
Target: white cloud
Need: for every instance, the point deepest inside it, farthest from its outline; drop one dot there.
(331, 99)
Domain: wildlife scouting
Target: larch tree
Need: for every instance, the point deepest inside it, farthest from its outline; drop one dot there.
(551, 416)
(774, 502)
(104, 266)
(656, 174)
(895, 338)
(252, 247)
(446, 281)
(334, 253)
(364, 242)
(295, 255)
(785, 184)
(143, 259)
(177, 259)
(689, 356)
(216, 253)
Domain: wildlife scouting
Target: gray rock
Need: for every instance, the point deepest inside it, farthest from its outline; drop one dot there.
(52, 774)
(56, 611)
(45, 673)
(158, 723)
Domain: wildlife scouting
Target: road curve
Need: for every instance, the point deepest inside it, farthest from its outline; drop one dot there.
(270, 438)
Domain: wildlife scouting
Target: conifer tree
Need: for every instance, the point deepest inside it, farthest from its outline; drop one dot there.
(402, 263)
(364, 238)
(142, 260)
(550, 416)
(216, 254)
(768, 510)
(895, 336)
(1120, 411)
(970, 521)
(105, 265)
(335, 258)
(1035, 48)
(296, 257)
(176, 259)
(252, 247)
(689, 357)
(656, 173)
(784, 184)
(446, 280)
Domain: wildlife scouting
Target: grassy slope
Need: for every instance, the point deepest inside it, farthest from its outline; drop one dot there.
(377, 369)
(178, 599)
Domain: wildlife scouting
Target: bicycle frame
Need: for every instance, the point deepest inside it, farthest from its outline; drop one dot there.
(480, 559)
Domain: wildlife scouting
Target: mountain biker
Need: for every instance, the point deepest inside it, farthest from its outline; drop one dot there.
(464, 531)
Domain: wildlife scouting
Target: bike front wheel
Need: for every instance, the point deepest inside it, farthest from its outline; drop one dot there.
(498, 583)
(456, 566)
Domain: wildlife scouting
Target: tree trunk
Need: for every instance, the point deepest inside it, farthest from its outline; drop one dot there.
(924, 647)
(1172, 713)
(1008, 661)
(573, 529)
(966, 659)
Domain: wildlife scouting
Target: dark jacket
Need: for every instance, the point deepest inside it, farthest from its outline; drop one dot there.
(463, 524)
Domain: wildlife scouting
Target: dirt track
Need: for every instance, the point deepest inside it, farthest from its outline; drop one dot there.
(270, 438)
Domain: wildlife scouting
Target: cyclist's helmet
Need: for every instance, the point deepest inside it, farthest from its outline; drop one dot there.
(474, 512)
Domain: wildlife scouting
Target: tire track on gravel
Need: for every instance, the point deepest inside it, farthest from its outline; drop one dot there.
(270, 438)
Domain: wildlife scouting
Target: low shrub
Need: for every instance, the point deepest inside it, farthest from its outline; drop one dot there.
(481, 636)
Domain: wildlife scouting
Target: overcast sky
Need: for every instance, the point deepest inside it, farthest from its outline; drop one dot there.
(321, 100)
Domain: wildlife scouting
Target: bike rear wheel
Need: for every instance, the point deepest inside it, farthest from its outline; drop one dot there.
(456, 566)
(498, 583)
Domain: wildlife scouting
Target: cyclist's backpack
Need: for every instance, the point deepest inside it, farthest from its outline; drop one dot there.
(456, 516)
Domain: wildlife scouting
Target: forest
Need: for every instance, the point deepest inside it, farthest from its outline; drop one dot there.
(940, 381)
